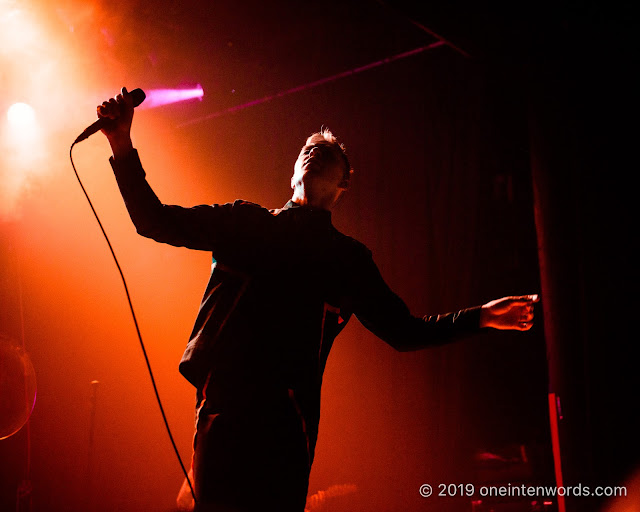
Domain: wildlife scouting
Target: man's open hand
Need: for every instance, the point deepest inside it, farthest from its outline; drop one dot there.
(514, 313)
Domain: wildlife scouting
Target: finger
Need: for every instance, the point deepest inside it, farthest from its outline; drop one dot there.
(523, 300)
(110, 109)
(105, 110)
(126, 96)
(527, 317)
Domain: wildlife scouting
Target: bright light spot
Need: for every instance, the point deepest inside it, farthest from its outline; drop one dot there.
(21, 114)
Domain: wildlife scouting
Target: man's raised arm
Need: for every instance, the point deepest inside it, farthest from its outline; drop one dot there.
(202, 227)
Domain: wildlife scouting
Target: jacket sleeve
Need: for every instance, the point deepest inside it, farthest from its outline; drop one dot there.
(200, 227)
(386, 315)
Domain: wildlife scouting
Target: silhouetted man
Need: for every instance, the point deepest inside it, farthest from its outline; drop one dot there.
(283, 284)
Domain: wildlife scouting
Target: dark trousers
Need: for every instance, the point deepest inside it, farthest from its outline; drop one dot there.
(250, 454)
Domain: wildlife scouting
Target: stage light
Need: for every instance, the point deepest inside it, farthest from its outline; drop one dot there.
(22, 152)
(22, 130)
(21, 114)
(159, 97)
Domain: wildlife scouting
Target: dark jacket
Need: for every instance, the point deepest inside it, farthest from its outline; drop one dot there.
(283, 284)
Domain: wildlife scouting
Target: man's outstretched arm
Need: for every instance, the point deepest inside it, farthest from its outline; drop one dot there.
(385, 314)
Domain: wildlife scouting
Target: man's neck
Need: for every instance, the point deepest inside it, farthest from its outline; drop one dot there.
(303, 200)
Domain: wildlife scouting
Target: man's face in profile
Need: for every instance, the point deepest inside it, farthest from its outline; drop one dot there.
(319, 172)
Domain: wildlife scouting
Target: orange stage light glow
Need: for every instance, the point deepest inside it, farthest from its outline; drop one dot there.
(37, 69)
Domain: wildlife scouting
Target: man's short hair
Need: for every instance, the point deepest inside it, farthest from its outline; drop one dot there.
(325, 135)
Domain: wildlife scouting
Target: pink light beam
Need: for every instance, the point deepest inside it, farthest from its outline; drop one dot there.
(160, 97)
(311, 85)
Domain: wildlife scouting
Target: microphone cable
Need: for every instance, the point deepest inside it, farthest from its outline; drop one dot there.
(135, 321)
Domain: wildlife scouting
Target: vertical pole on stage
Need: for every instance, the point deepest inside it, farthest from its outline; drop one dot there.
(90, 451)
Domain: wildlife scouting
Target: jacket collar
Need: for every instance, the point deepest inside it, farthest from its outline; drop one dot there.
(318, 214)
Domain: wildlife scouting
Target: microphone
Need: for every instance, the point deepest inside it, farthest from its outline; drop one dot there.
(138, 96)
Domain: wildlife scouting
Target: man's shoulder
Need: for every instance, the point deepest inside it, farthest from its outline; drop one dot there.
(242, 203)
(355, 246)
(243, 207)
(254, 210)
(249, 207)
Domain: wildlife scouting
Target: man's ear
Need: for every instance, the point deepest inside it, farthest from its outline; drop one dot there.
(344, 184)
